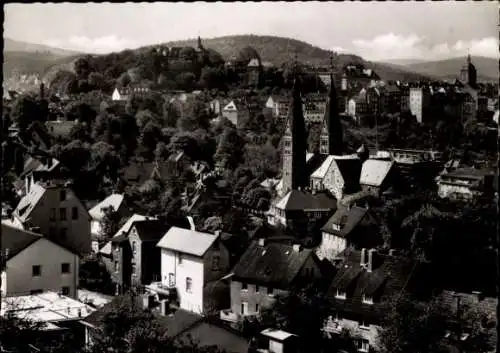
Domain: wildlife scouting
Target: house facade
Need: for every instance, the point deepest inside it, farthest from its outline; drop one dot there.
(419, 101)
(116, 201)
(35, 264)
(58, 213)
(314, 108)
(189, 261)
(465, 183)
(235, 113)
(337, 174)
(264, 271)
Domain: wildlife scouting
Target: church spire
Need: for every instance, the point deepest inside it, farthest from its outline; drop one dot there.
(295, 143)
(331, 139)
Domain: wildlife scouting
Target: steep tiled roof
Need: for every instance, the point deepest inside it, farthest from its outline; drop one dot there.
(187, 241)
(123, 231)
(274, 264)
(350, 170)
(303, 200)
(16, 240)
(390, 277)
(321, 171)
(347, 218)
(29, 201)
(374, 171)
(254, 63)
(152, 230)
(114, 200)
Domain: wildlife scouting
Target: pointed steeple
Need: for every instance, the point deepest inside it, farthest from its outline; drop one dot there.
(295, 143)
(331, 139)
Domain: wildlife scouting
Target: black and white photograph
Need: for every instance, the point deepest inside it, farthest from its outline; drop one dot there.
(250, 177)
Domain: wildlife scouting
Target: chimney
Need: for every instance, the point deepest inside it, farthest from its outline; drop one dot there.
(478, 296)
(369, 264)
(262, 242)
(217, 233)
(363, 257)
(191, 223)
(296, 247)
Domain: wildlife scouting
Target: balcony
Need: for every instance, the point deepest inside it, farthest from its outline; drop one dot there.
(228, 315)
(160, 288)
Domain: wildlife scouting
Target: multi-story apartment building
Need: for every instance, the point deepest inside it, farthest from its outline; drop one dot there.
(419, 102)
(57, 212)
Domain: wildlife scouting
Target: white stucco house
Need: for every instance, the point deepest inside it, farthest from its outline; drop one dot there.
(189, 260)
(36, 264)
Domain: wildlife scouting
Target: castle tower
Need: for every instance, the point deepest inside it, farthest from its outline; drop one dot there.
(295, 145)
(331, 139)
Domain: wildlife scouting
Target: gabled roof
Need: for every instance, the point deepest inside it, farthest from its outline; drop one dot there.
(273, 264)
(350, 168)
(486, 305)
(231, 106)
(187, 241)
(29, 201)
(253, 63)
(347, 218)
(114, 200)
(106, 249)
(16, 240)
(374, 171)
(323, 169)
(296, 200)
(151, 230)
(390, 277)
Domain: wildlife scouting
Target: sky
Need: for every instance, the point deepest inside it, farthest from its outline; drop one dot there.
(373, 30)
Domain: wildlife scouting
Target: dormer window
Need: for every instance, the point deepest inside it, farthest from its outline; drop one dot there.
(367, 299)
(340, 294)
(336, 227)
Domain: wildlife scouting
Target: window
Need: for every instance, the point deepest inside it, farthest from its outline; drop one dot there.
(180, 259)
(63, 195)
(244, 308)
(62, 214)
(363, 345)
(256, 289)
(65, 267)
(364, 325)
(65, 290)
(367, 299)
(134, 268)
(244, 286)
(171, 279)
(52, 216)
(256, 308)
(117, 266)
(36, 270)
(216, 263)
(36, 291)
(189, 284)
(134, 250)
(340, 294)
(64, 233)
(270, 290)
(74, 213)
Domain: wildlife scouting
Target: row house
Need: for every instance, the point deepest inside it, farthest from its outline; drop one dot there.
(364, 281)
(299, 207)
(56, 212)
(34, 264)
(266, 270)
(349, 227)
(191, 262)
(465, 183)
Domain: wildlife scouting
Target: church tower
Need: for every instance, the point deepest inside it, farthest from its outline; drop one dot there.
(331, 133)
(471, 71)
(295, 145)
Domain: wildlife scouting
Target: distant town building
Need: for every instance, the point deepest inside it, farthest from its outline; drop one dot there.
(419, 102)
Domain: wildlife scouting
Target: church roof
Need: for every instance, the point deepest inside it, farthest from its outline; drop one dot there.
(296, 200)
